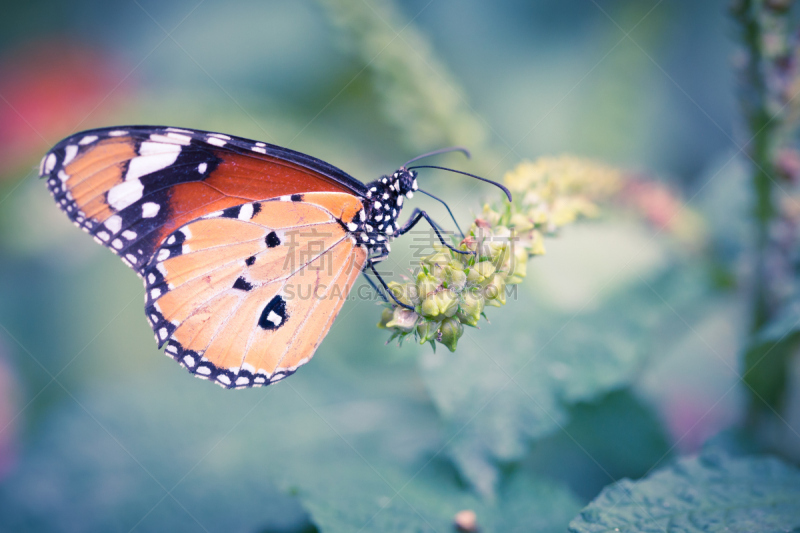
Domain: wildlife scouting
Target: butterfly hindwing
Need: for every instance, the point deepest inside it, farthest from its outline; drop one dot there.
(132, 186)
(244, 296)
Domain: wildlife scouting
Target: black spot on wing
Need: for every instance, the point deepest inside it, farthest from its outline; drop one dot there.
(274, 314)
(242, 284)
(297, 197)
(256, 208)
(272, 240)
(250, 260)
(232, 212)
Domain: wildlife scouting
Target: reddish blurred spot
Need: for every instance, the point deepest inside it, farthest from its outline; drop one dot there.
(49, 90)
(654, 200)
(788, 164)
(9, 411)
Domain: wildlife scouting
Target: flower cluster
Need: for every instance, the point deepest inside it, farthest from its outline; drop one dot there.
(451, 290)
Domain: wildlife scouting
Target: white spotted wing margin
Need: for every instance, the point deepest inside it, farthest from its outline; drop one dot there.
(244, 296)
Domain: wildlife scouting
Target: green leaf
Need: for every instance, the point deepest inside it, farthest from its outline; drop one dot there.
(610, 439)
(767, 359)
(360, 500)
(713, 492)
(512, 383)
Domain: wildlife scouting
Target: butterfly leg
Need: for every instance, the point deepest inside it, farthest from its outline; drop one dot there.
(375, 287)
(386, 287)
(418, 215)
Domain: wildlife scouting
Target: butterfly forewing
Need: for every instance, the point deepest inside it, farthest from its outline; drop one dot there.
(131, 187)
(245, 295)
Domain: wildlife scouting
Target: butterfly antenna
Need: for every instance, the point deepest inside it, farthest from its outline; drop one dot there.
(500, 186)
(448, 210)
(437, 152)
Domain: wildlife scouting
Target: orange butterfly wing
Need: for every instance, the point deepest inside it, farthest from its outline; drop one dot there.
(244, 296)
(131, 186)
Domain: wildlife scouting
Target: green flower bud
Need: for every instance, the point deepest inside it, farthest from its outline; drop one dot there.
(521, 222)
(386, 317)
(471, 306)
(517, 266)
(440, 257)
(426, 330)
(495, 291)
(429, 308)
(403, 319)
(447, 302)
(449, 332)
(480, 272)
(426, 285)
(402, 292)
(456, 279)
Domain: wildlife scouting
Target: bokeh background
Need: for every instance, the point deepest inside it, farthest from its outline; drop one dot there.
(621, 351)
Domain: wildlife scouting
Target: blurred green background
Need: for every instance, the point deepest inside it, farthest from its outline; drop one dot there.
(623, 347)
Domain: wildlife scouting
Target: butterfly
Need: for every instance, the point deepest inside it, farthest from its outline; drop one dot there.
(247, 250)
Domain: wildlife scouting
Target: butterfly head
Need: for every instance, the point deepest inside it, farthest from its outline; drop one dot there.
(405, 182)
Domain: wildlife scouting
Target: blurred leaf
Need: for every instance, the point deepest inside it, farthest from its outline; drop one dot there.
(343, 438)
(713, 492)
(351, 498)
(767, 359)
(514, 382)
(614, 438)
(418, 93)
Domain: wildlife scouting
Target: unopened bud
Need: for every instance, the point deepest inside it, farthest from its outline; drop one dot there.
(480, 272)
(426, 285)
(427, 331)
(386, 317)
(471, 306)
(449, 332)
(403, 319)
(447, 302)
(495, 291)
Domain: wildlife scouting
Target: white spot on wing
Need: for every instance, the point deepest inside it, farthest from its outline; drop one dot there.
(103, 235)
(187, 233)
(50, 163)
(126, 193)
(150, 209)
(113, 223)
(259, 149)
(246, 212)
(129, 234)
(117, 244)
(162, 254)
(275, 318)
(215, 141)
(63, 176)
(117, 133)
(201, 168)
(153, 156)
(88, 139)
(155, 293)
(69, 153)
